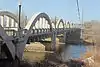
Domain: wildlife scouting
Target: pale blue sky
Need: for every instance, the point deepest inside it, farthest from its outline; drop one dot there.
(65, 9)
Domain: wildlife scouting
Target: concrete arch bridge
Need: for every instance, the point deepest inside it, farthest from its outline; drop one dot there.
(40, 26)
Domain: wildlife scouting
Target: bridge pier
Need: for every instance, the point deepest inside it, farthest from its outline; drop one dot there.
(65, 37)
(53, 41)
(73, 37)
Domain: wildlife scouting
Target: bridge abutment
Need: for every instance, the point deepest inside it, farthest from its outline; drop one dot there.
(73, 37)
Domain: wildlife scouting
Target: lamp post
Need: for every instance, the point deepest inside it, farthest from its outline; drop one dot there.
(19, 5)
(16, 62)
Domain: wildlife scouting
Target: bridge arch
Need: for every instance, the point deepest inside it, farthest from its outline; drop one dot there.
(9, 22)
(30, 25)
(53, 24)
(8, 45)
(9, 14)
(32, 22)
(65, 24)
(60, 23)
(68, 24)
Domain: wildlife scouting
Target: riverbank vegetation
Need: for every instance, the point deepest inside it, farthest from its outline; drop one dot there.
(92, 35)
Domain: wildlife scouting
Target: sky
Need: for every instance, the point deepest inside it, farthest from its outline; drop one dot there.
(65, 9)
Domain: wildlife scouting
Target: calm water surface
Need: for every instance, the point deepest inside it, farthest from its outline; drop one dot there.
(72, 51)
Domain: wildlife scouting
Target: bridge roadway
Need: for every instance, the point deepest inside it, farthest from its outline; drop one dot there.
(40, 26)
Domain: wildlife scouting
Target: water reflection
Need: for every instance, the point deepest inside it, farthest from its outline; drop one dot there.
(72, 51)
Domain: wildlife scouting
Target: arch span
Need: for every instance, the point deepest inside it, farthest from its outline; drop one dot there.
(59, 22)
(9, 14)
(8, 20)
(35, 17)
(5, 37)
(29, 27)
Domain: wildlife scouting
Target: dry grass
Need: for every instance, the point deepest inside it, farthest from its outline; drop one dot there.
(92, 29)
(34, 56)
(34, 52)
(94, 56)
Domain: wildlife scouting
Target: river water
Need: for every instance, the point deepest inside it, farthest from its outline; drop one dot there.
(69, 51)
(73, 51)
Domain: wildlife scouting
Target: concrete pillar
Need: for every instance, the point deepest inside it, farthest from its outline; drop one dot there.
(53, 39)
(65, 36)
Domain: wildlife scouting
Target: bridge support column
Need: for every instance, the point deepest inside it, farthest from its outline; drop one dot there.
(65, 37)
(53, 43)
